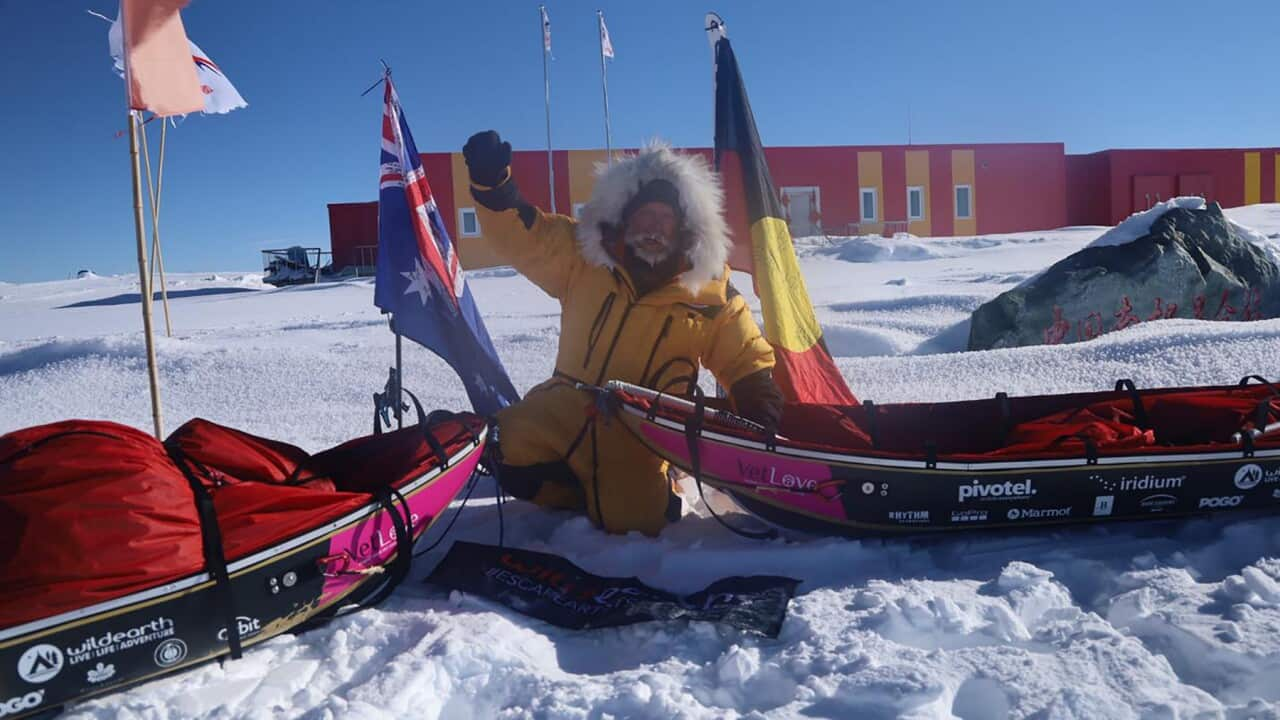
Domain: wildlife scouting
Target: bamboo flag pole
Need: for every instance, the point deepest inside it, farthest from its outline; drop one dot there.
(157, 256)
(144, 278)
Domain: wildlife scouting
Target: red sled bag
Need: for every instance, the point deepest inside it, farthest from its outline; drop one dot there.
(89, 511)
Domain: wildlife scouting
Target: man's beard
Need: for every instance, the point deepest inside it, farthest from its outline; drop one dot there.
(638, 243)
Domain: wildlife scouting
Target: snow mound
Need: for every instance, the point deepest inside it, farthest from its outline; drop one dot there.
(876, 249)
(1270, 244)
(1139, 223)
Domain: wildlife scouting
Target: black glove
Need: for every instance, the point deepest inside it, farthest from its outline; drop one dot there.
(756, 397)
(487, 158)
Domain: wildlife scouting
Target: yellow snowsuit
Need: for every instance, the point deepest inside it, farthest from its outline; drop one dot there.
(608, 333)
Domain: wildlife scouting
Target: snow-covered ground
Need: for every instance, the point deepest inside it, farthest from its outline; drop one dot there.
(1156, 620)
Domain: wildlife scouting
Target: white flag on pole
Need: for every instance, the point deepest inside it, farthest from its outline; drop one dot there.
(546, 30)
(606, 45)
(220, 96)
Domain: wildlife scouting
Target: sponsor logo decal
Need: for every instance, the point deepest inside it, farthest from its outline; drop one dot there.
(170, 652)
(967, 516)
(1007, 490)
(1037, 513)
(868, 488)
(1157, 503)
(1104, 504)
(1248, 476)
(1131, 483)
(40, 663)
(247, 626)
(15, 705)
(909, 516)
(769, 475)
(109, 642)
(1225, 501)
(102, 673)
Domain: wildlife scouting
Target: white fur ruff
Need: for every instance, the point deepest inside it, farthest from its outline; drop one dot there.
(701, 199)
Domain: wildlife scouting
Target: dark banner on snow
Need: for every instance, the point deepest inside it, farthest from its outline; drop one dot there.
(553, 589)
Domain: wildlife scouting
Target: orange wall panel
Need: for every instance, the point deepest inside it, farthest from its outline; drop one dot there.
(918, 176)
(1252, 178)
(962, 174)
(871, 175)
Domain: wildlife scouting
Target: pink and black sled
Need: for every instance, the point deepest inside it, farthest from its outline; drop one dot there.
(123, 558)
(1002, 462)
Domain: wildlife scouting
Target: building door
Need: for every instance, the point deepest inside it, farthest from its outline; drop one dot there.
(1201, 185)
(1151, 189)
(804, 208)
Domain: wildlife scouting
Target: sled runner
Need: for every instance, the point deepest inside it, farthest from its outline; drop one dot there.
(122, 559)
(1002, 462)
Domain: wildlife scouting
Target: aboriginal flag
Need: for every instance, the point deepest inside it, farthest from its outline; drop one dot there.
(805, 371)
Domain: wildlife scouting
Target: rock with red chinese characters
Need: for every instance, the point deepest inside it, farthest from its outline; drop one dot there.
(1191, 263)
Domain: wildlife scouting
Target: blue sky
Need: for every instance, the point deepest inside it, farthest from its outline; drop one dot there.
(1088, 73)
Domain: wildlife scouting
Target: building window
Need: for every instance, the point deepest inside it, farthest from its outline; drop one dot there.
(869, 205)
(577, 210)
(915, 203)
(964, 202)
(468, 222)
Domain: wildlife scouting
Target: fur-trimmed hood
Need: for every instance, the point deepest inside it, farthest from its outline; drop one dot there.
(701, 199)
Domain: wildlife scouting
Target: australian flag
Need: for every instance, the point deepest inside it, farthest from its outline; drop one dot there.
(419, 278)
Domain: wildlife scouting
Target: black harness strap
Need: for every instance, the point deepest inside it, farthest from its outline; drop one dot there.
(1006, 417)
(1090, 447)
(692, 434)
(425, 422)
(403, 527)
(872, 429)
(1139, 410)
(595, 469)
(211, 540)
(1262, 413)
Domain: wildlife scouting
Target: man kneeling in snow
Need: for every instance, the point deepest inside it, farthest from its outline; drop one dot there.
(644, 297)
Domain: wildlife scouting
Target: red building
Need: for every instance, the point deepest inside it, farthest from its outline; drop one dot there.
(927, 190)
(1105, 187)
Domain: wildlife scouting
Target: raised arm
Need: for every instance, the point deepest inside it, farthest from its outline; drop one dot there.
(541, 246)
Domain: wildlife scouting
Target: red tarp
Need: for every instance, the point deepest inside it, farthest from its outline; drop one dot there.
(91, 511)
(1036, 427)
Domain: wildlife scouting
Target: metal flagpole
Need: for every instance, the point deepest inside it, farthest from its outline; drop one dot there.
(397, 381)
(144, 278)
(398, 394)
(546, 81)
(604, 86)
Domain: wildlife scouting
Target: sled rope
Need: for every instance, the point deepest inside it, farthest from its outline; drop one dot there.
(594, 412)
(347, 563)
(471, 486)
(692, 434)
(502, 524)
